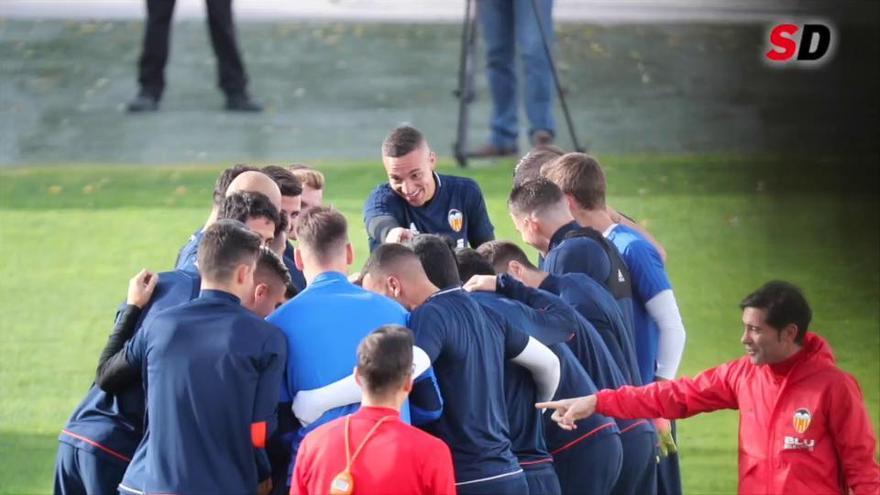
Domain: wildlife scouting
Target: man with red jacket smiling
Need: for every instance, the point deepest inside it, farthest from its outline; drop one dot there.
(803, 424)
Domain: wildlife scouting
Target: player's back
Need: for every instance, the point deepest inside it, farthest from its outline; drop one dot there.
(576, 249)
(206, 365)
(573, 380)
(592, 301)
(649, 278)
(323, 326)
(398, 458)
(468, 355)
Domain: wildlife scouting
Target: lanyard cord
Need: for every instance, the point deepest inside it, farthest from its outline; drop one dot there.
(349, 458)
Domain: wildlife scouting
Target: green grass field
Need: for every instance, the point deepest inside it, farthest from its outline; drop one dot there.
(71, 237)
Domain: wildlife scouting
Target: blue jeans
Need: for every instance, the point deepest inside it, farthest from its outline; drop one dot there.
(510, 25)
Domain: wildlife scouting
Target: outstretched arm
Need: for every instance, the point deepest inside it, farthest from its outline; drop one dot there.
(309, 405)
(711, 390)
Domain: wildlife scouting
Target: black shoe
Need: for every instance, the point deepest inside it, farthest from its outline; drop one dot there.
(143, 102)
(242, 103)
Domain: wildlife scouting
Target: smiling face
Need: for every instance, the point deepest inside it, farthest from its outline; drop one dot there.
(763, 343)
(411, 176)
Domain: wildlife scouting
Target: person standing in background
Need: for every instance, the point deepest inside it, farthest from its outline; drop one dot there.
(510, 26)
(231, 76)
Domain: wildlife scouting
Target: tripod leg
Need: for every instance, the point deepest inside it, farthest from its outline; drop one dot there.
(465, 91)
(559, 92)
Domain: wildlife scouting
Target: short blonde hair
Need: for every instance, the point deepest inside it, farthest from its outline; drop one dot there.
(308, 176)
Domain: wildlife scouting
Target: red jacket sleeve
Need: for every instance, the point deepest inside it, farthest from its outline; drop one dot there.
(437, 471)
(711, 390)
(854, 438)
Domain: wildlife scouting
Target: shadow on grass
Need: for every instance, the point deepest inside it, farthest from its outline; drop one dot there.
(27, 462)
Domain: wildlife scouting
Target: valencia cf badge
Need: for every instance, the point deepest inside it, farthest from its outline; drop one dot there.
(456, 220)
(802, 419)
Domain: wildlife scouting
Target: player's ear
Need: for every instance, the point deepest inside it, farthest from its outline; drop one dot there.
(357, 377)
(788, 334)
(297, 259)
(515, 268)
(242, 272)
(394, 287)
(408, 384)
(432, 159)
(571, 202)
(349, 254)
(260, 290)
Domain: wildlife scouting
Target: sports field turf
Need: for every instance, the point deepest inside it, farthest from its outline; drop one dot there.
(71, 237)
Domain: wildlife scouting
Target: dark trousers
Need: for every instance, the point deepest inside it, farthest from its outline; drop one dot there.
(151, 66)
(591, 466)
(508, 485)
(638, 476)
(669, 472)
(78, 472)
(542, 479)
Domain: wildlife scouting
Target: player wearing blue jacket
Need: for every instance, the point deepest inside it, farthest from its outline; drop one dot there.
(467, 353)
(209, 410)
(324, 324)
(591, 460)
(657, 325)
(418, 200)
(526, 428)
(100, 438)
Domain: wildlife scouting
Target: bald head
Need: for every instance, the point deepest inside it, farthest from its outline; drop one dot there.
(256, 181)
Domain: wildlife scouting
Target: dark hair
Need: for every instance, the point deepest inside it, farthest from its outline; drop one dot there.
(534, 197)
(500, 253)
(226, 177)
(244, 205)
(579, 175)
(402, 141)
(288, 183)
(387, 257)
(225, 245)
(322, 231)
(471, 263)
(270, 265)
(784, 304)
(529, 166)
(438, 260)
(385, 359)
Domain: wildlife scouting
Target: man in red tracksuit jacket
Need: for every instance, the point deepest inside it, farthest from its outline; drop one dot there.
(803, 425)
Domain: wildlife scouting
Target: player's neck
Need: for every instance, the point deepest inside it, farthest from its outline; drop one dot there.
(312, 268)
(229, 288)
(597, 219)
(419, 295)
(534, 278)
(392, 401)
(310, 273)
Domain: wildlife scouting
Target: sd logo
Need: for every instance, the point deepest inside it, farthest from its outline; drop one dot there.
(814, 42)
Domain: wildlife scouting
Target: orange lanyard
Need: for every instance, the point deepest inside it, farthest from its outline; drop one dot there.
(343, 483)
(349, 458)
